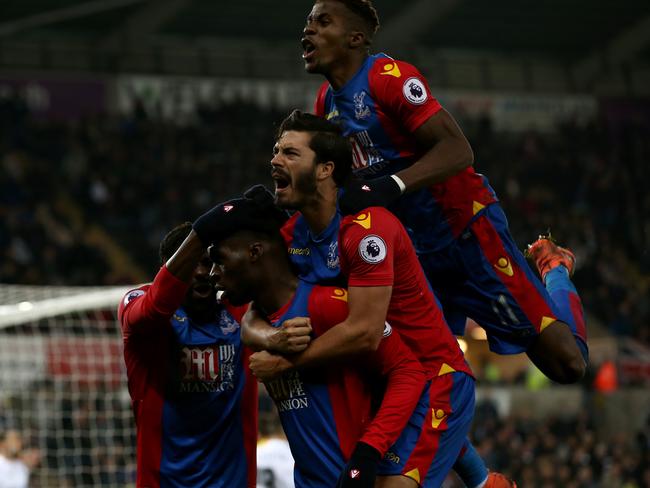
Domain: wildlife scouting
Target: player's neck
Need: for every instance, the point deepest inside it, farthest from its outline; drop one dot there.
(345, 70)
(320, 211)
(278, 291)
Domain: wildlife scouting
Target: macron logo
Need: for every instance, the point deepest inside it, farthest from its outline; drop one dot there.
(354, 473)
(227, 208)
(366, 188)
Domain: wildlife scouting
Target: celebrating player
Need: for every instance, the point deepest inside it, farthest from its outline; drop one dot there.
(326, 414)
(385, 283)
(406, 143)
(194, 400)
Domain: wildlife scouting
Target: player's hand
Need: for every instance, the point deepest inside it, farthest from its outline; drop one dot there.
(266, 366)
(293, 336)
(360, 194)
(361, 469)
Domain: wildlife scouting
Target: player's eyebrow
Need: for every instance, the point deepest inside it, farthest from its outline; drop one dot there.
(285, 148)
(319, 17)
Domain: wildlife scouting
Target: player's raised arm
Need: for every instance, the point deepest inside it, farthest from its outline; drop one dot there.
(142, 309)
(443, 148)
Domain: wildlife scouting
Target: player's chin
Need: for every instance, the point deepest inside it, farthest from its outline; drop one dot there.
(311, 63)
(204, 293)
(282, 197)
(312, 67)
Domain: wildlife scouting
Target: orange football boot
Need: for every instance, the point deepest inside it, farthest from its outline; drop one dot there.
(548, 255)
(497, 480)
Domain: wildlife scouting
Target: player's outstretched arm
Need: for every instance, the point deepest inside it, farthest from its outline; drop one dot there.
(449, 152)
(291, 337)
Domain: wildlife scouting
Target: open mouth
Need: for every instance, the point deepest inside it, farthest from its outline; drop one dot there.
(308, 48)
(281, 182)
(203, 289)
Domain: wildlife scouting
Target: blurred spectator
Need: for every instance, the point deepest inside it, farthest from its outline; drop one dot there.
(274, 459)
(16, 462)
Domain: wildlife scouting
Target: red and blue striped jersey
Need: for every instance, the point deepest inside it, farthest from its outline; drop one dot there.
(193, 397)
(372, 248)
(326, 411)
(379, 109)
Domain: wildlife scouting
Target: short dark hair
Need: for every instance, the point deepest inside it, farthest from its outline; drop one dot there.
(173, 240)
(365, 10)
(327, 141)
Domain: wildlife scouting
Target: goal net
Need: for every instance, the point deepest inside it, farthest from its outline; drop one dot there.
(63, 385)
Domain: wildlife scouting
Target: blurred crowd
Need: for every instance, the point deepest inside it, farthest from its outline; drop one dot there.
(559, 452)
(88, 441)
(66, 435)
(87, 202)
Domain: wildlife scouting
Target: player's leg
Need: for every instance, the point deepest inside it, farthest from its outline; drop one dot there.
(470, 467)
(506, 298)
(555, 265)
(446, 430)
(433, 438)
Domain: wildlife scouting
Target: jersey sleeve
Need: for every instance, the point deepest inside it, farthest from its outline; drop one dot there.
(319, 103)
(143, 309)
(404, 94)
(328, 306)
(286, 231)
(405, 382)
(368, 243)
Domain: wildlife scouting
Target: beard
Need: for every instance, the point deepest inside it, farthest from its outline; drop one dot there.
(305, 185)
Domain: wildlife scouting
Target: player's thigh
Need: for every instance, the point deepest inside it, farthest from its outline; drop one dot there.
(398, 481)
(502, 293)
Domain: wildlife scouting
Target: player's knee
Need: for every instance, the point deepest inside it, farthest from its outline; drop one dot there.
(575, 369)
(572, 370)
(557, 355)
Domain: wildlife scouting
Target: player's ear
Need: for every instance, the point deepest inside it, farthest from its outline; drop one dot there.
(357, 39)
(255, 251)
(324, 170)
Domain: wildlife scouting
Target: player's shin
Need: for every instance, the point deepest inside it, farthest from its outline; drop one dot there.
(470, 467)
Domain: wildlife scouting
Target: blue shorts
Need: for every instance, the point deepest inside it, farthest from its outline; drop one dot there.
(484, 276)
(432, 440)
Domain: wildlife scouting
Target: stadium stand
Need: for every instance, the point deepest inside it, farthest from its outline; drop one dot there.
(584, 182)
